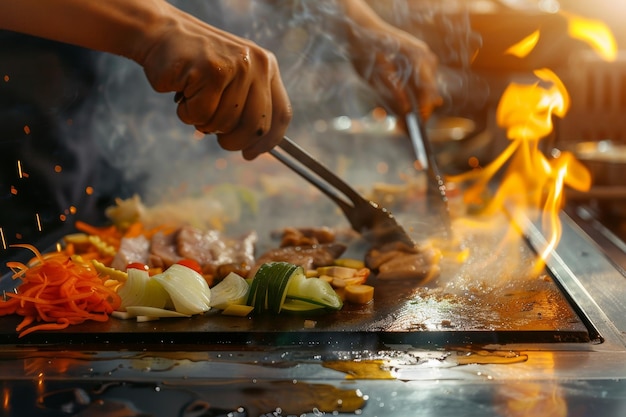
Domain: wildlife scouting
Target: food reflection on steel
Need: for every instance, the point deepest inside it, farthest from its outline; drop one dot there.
(361, 369)
(483, 356)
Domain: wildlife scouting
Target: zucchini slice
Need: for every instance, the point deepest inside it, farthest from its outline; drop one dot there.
(281, 286)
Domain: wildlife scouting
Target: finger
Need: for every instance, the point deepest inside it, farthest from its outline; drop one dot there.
(202, 94)
(254, 122)
(228, 114)
(281, 116)
(198, 108)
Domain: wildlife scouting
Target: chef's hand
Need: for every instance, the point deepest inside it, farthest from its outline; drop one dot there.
(230, 85)
(399, 67)
(403, 78)
(227, 85)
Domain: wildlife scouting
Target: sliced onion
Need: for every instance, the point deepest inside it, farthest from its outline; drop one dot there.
(233, 289)
(141, 290)
(188, 289)
(137, 311)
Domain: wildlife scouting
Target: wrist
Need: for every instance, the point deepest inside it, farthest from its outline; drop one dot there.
(147, 27)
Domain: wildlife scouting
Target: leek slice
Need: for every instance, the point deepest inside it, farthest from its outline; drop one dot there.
(188, 289)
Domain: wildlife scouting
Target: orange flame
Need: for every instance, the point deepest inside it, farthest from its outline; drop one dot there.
(525, 46)
(594, 32)
(531, 181)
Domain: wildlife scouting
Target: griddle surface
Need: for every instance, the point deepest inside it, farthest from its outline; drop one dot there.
(491, 297)
(536, 312)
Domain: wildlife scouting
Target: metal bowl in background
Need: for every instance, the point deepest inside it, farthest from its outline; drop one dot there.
(446, 129)
(455, 139)
(606, 161)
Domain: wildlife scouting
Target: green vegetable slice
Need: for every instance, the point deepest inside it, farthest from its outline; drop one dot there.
(283, 286)
(297, 305)
(267, 291)
(313, 291)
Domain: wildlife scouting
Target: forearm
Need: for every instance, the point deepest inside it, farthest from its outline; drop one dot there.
(360, 12)
(362, 20)
(121, 27)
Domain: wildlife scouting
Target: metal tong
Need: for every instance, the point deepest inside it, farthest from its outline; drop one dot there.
(374, 222)
(426, 157)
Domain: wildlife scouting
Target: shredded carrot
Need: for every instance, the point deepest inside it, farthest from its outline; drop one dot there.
(57, 291)
(134, 230)
(70, 249)
(108, 231)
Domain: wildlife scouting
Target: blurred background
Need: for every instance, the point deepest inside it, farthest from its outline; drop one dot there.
(80, 128)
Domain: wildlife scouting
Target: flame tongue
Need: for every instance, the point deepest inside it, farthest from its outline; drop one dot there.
(532, 183)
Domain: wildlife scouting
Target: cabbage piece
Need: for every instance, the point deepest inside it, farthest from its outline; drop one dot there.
(233, 289)
(187, 289)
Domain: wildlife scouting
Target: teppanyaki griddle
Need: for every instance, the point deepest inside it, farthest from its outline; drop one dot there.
(403, 312)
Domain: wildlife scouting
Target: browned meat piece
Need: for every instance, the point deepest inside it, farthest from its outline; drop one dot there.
(306, 236)
(398, 261)
(135, 249)
(308, 257)
(163, 251)
(216, 253)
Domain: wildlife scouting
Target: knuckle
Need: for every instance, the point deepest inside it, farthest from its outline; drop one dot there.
(263, 58)
(284, 116)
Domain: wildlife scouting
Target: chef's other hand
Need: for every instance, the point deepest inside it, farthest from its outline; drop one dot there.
(399, 67)
(229, 85)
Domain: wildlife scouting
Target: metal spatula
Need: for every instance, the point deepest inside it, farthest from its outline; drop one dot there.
(375, 223)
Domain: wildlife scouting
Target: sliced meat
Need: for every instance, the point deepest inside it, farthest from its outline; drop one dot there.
(133, 249)
(308, 236)
(216, 253)
(308, 257)
(401, 262)
(163, 252)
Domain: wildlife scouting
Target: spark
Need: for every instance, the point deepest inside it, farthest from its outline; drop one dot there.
(20, 174)
(6, 392)
(4, 242)
(38, 221)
